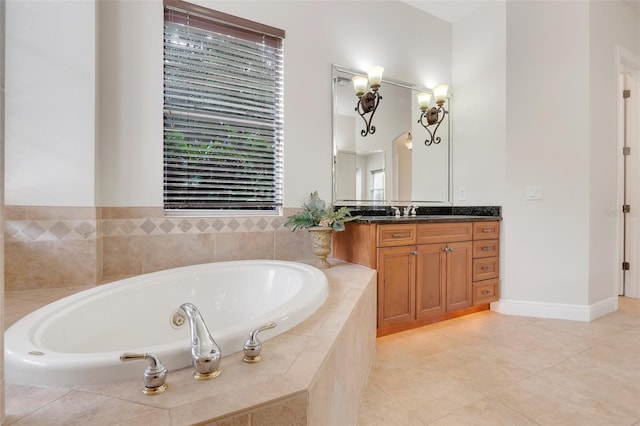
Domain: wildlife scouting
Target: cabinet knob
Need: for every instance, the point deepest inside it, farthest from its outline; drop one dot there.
(447, 249)
(487, 248)
(485, 292)
(485, 268)
(414, 252)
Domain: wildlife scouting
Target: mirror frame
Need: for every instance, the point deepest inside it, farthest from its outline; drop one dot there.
(374, 203)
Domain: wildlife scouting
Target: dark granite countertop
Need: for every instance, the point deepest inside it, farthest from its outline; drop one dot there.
(429, 214)
(425, 218)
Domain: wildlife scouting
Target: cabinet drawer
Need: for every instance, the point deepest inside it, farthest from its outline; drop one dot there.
(485, 268)
(396, 235)
(486, 248)
(444, 232)
(485, 291)
(486, 230)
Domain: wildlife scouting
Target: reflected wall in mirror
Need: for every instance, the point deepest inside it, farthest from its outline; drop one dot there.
(393, 165)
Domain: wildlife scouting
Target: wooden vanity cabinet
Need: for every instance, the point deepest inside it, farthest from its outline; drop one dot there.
(427, 272)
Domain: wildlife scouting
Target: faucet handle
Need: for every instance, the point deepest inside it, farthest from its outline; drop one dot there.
(154, 375)
(395, 210)
(253, 345)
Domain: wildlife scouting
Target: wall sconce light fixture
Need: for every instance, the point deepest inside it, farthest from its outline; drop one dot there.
(368, 101)
(409, 141)
(433, 115)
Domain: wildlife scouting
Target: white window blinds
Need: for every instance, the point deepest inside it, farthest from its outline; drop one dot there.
(223, 111)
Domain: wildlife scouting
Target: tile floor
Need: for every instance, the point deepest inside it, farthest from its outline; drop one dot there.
(492, 369)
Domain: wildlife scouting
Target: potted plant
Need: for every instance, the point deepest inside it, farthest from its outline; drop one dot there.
(320, 220)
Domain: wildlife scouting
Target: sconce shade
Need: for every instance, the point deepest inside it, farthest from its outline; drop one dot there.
(424, 99)
(375, 76)
(440, 93)
(359, 85)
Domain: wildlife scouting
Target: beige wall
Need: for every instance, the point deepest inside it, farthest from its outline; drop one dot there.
(70, 246)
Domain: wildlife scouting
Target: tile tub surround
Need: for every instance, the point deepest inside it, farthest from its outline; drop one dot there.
(313, 374)
(51, 247)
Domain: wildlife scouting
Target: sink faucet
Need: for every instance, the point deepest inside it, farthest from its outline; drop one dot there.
(410, 210)
(205, 353)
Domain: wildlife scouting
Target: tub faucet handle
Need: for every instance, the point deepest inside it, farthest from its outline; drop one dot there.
(154, 375)
(253, 345)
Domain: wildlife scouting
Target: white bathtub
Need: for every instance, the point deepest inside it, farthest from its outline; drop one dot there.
(78, 340)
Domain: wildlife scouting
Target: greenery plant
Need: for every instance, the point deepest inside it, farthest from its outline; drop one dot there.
(315, 212)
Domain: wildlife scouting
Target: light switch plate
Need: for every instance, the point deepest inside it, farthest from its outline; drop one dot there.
(534, 192)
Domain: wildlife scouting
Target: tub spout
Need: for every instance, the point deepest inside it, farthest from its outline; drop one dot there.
(205, 353)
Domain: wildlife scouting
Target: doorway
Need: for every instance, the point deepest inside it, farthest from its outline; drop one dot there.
(628, 136)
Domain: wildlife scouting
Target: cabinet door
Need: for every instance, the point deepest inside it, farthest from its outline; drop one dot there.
(431, 279)
(396, 285)
(459, 274)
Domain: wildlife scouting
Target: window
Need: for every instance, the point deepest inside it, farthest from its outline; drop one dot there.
(377, 187)
(223, 112)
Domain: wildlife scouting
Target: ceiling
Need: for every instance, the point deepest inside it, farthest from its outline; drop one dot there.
(450, 11)
(454, 10)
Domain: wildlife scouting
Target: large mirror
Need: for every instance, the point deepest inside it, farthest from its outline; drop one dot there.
(392, 165)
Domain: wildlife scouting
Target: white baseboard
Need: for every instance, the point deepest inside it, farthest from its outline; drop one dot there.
(556, 310)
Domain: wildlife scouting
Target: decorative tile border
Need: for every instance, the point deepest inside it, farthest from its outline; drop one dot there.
(30, 230)
(50, 230)
(189, 225)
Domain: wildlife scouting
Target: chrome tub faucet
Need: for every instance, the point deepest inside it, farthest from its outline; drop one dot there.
(205, 352)
(154, 375)
(253, 345)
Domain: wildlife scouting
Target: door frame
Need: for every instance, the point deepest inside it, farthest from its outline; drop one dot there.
(628, 63)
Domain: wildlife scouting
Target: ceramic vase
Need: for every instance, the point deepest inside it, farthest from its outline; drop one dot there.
(321, 244)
